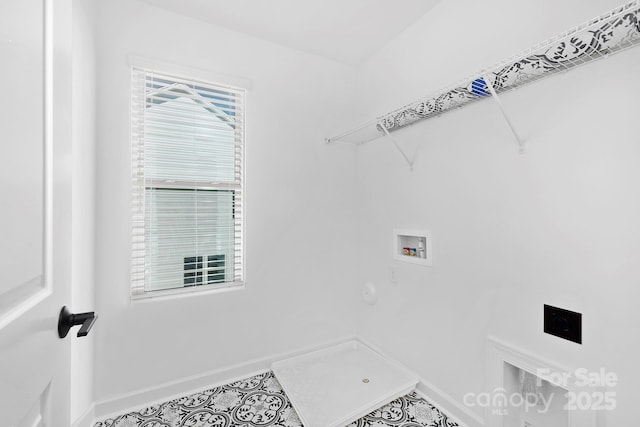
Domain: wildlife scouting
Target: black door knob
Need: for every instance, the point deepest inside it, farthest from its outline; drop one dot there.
(67, 320)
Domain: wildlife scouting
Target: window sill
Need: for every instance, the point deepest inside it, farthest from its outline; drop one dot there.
(192, 291)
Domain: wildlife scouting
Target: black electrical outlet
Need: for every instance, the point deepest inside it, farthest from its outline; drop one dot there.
(563, 323)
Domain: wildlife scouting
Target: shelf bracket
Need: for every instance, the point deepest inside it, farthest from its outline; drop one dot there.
(495, 96)
(406, 158)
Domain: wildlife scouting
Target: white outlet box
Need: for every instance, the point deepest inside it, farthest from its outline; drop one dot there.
(393, 274)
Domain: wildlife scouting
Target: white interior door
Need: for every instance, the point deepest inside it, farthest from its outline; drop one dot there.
(35, 211)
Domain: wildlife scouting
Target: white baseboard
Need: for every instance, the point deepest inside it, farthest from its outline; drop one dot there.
(174, 389)
(161, 393)
(87, 419)
(443, 401)
(456, 411)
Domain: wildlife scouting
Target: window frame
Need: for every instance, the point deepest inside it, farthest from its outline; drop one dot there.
(137, 280)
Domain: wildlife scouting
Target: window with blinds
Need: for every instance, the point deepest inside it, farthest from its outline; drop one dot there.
(187, 173)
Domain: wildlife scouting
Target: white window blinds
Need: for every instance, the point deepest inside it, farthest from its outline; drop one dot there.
(187, 173)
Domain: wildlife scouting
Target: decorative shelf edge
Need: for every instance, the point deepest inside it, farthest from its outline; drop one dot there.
(598, 38)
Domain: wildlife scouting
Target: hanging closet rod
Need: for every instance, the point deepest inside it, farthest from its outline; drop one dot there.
(340, 137)
(597, 38)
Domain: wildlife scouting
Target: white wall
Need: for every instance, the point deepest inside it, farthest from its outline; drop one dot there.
(557, 225)
(83, 212)
(300, 237)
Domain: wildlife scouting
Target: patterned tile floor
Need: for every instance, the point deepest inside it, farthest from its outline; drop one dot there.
(259, 401)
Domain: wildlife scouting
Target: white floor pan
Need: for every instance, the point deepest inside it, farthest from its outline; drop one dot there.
(338, 385)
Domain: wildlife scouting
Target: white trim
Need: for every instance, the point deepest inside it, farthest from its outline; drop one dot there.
(48, 137)
(87, 419)
(128, 402)
(146, 63)
(21, 307)
(143, 71)
(447, 404)
(176, 293)
(463, 415)
(173, 389)
(22, 297)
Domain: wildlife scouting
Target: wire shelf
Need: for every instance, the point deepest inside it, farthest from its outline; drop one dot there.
(598, 38)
